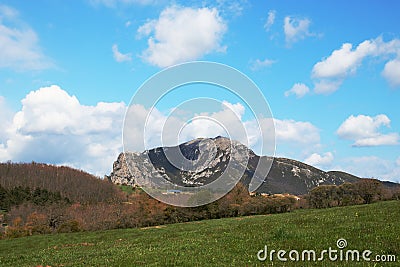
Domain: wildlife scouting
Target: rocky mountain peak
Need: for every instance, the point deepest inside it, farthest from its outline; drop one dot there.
(203, 160)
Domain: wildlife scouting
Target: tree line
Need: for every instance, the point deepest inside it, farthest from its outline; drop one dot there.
(364, 191)
(138, 210)
(19, 195)
(61, 199)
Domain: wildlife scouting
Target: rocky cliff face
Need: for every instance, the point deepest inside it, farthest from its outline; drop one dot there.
(202, 161)
(121, 174)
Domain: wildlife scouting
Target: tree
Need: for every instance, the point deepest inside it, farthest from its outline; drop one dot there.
(369, 190)
(323, 196)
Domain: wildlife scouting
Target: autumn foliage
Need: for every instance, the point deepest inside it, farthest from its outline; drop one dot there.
(43, 199)
(77, 186)
(364, 191)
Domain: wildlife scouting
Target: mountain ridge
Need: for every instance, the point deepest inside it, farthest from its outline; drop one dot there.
(285, 175)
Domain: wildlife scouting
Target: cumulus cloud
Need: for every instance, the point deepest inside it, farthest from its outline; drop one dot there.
(53, 110)
(168, 129)
(164, 129)
(330, 72)
(289, 134)
(19, 44)
(225, 122)
(365, 131)
(343, 61)
(296, 29)
(238, 109)
(298, 132)
(326, 87)
(259, 64)
(54, 127)
(118, 56)
(293, 138)
(182, 34)
(318, 160)
(270, 20)
(381, 139)
(298, 89)
(392, 71)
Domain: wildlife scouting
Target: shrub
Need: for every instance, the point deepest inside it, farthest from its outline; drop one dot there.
(69, 226)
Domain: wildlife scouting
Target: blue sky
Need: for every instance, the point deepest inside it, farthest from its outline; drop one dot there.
(330, 71)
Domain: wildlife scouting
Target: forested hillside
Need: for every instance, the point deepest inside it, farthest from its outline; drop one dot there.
(76, 185)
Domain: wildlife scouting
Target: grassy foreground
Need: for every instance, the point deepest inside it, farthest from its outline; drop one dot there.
(224, 242)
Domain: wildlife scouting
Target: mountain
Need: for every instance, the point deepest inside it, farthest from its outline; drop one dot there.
(205, 159)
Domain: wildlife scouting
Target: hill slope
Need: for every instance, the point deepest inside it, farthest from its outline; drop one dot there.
(223, 242)
(76, 185)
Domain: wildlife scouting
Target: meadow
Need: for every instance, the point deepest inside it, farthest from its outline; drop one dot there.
(220, 242)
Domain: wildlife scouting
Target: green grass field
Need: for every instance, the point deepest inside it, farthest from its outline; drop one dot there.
(224, 242)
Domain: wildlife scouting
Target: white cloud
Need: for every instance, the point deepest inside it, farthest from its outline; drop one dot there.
(5, 119)
(226, 122)
(163, 129)
(296, 29)
(371, 167)
(398, 161)
(270, 20)
(290, 134)
(392, 72)
(118, 56)
(19, 44)
(326, 86)
(330, 72)
(258, 64)
(298, 89)
(364, 131)
(54, 127)
(237, 108)
(297, 132)
(343, 61)
(181, 34)
(361, 126)
(318, 160)
(379, 140)
(293, 138)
